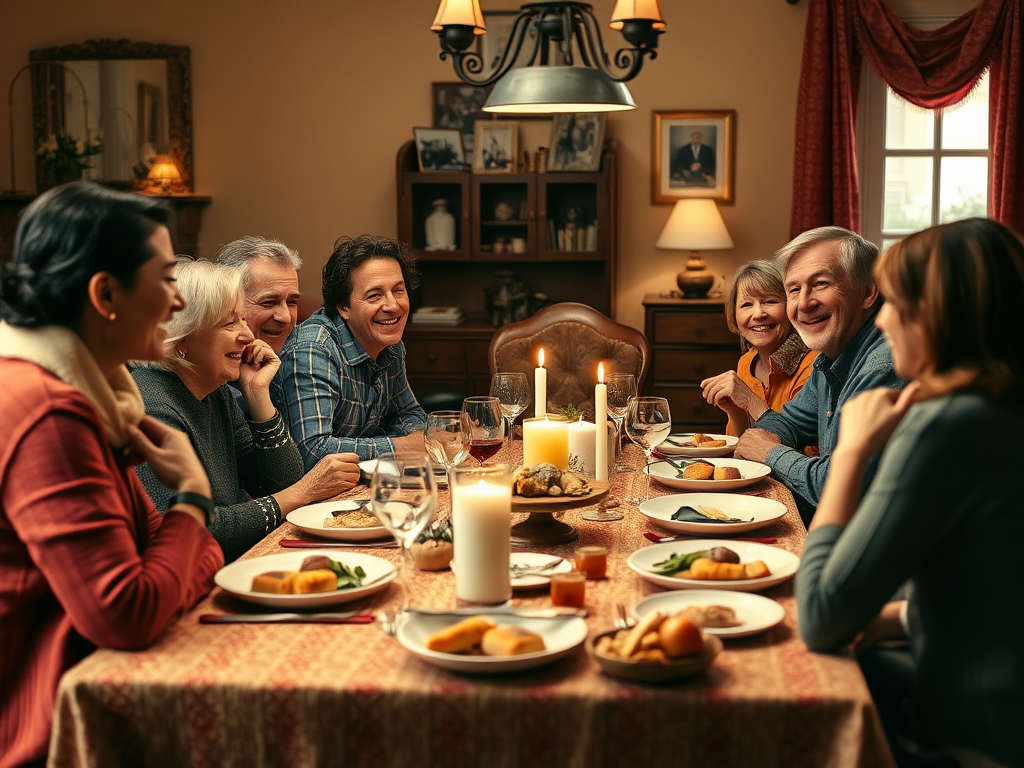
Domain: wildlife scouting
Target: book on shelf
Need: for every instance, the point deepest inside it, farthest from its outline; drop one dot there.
(438, 316)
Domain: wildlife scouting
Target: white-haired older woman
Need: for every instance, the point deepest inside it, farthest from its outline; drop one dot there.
(776, 363)
(254, 466)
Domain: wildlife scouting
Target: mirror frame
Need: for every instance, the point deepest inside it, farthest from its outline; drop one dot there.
(179, 94)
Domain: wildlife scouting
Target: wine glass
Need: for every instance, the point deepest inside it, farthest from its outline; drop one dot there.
(443, 438)
(621, 387)
(402, 496)
(648, 422)
(513, 393)
(483, 426)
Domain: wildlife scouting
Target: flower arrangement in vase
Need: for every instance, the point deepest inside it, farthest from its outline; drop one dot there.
(65, 158)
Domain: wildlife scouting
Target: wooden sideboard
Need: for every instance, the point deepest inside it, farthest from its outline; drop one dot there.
(448, 359)
(690, 341)
(188, 211)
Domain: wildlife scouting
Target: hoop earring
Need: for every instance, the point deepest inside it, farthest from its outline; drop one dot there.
(180, 354)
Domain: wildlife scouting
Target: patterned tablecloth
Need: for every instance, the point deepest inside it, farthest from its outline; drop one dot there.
(314, 695)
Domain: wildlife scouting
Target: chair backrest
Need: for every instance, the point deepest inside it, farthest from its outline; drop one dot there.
(575, 338)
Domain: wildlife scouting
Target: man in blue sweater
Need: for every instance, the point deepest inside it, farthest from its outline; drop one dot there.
(832, 301)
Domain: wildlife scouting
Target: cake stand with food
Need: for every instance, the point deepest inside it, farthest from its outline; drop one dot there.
(543, 490)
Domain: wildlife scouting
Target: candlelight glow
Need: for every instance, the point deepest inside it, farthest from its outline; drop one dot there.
(540, 357)
(600, 373)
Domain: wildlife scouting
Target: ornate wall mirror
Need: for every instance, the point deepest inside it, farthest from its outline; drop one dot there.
(135, 97)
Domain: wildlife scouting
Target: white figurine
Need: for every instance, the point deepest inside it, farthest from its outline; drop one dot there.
(440, 227)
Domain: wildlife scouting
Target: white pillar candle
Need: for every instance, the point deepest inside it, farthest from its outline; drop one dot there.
(540, 387)
(481, 524)
(546, 440)
(581, 448)
(601, 420)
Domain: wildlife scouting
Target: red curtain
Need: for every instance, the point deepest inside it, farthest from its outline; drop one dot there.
(932, 69)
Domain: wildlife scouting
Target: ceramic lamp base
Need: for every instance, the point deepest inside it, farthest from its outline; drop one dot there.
(696, 280)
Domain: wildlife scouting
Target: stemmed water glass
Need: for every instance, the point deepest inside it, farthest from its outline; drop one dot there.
(403, 495)
(483, 427)
(443, 438)
(648, 423)
(621, 387)
(513, 393)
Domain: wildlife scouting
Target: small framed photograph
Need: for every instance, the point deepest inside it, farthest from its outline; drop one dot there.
(693, 156)
(576, 142)
(459, 106)
(495, 144)
(440, 149)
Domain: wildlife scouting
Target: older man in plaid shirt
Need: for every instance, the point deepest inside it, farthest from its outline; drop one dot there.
(342, 386)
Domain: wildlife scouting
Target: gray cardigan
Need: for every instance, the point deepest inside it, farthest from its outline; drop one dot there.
(944, 512)
(245, 461)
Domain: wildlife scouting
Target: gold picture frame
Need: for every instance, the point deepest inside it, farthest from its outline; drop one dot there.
(693, 155)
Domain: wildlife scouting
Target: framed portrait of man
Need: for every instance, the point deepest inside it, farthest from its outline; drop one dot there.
(693, 156)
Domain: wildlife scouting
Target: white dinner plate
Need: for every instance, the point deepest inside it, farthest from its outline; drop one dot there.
(750, 473)
(366, 471)
(782, 564)
(756, 613)
(669, 449)
(530, 580)
(754, 511)
(561, 637)
(236, 578)
(310, 519)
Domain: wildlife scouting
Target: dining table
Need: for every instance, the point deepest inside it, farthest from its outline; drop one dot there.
(312, 694)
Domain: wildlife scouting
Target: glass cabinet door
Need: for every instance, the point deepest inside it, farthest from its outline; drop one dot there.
(434, 215)
(505, 224)
(573, 216)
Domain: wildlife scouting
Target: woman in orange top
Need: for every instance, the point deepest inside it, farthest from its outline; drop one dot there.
(776, 363)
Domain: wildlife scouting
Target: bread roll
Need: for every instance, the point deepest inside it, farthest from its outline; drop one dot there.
(461, 636)
(320, 580)
(510, 641)
(699, 471)
(713, 444)
(274, 582)
(727, 473)
(705, 569)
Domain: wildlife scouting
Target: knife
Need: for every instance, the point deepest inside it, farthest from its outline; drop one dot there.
(522, 613)
(302, 544)
(359, 504)
(349, 617)
(687, 537)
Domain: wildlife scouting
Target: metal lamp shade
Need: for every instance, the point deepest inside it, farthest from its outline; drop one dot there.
(551, 89)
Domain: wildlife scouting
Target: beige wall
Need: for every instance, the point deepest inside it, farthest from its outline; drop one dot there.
(300, 107)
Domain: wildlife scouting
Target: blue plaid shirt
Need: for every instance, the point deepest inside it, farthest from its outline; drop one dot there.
(336, 398)
(813, 415)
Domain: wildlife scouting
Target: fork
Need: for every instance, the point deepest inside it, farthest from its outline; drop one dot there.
(518, 569)
(622, 619)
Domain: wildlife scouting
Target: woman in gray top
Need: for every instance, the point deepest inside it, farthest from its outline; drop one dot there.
(254, 466)
(943, 513)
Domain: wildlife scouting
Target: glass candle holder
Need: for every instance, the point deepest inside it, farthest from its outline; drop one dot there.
(593, 561)
(568, 589)
(481, 525)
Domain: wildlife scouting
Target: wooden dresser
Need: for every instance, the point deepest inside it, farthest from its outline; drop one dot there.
(690, 341)
(448, 359)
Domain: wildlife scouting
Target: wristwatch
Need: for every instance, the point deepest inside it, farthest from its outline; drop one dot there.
(205, 503)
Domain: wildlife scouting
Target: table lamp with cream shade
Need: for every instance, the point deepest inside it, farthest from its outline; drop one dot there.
(695, 225)
(165, 172)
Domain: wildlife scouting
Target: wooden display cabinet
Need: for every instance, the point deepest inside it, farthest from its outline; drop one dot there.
(496, 209)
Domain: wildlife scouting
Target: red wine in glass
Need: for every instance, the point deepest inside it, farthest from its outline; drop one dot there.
(482, 450)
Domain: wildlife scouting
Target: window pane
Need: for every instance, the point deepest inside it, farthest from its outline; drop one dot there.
(966, 127)
(963, 185)
(907, 126)
(908, 194)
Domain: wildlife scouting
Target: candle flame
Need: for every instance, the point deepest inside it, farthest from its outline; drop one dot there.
(540, 357)
(600, 373)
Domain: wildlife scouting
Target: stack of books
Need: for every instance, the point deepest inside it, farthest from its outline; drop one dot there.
(438, 316)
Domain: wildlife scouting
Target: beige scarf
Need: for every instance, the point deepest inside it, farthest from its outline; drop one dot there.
(62, 352)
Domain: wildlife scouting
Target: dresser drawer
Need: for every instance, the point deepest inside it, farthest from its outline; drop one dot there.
(691, 328)
(671, 365)
(690, 409)
(435, 357)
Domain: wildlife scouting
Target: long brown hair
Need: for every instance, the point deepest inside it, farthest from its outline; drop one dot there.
(964, 282)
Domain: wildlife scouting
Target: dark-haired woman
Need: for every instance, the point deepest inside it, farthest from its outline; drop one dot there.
(342, 386)
(85, 560)
(943, 512)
